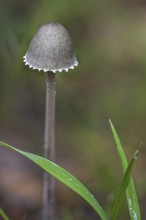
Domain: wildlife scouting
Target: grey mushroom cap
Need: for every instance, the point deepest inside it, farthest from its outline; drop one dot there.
(51, 49)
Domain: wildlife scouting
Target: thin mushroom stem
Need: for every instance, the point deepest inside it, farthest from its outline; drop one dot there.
(48, 212)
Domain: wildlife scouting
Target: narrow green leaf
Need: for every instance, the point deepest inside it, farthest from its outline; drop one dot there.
(63, 176)
(132, 199)
(122, 189)
(3, 215)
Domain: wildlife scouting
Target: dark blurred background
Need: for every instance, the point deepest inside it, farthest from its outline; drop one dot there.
(110, 82)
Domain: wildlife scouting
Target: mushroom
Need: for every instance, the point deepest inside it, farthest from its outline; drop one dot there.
(50, 50)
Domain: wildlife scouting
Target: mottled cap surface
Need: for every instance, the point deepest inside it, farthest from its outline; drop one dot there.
(51, 49)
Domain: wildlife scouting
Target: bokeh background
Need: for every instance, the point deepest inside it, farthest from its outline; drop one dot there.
(110, 82)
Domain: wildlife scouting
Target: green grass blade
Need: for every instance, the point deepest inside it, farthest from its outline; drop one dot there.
(121, 192)
(3, 215)
(63, 176)
(132, 199)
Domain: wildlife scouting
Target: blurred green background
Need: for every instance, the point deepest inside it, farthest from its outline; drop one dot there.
(110, 82)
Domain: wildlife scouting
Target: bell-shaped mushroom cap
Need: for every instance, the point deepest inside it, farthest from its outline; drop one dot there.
(51, 49)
